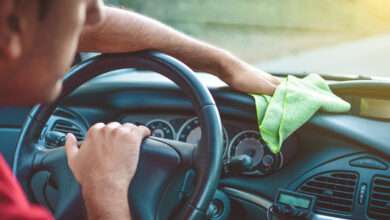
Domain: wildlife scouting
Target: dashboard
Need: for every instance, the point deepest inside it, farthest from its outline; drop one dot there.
(343, 160)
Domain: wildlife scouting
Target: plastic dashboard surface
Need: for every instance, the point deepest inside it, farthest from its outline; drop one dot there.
(328, 143)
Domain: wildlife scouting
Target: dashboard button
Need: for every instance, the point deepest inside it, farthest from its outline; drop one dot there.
(369, 162)
(362, 193)
(268, 161)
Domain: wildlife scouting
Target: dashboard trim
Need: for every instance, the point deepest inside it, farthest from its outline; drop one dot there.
(260, 201)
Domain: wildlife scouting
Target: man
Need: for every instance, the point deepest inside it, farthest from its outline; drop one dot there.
(38, 40)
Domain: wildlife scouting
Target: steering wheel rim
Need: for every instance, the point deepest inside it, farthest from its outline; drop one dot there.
(206, 159)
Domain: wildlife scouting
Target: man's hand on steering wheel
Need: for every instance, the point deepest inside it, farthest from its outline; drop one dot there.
(105, 164)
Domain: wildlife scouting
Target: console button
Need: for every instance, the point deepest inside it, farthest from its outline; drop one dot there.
(268, 161)
(362, 193)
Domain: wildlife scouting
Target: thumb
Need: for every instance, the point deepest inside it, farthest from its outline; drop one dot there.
(71, 147)
(145, 132)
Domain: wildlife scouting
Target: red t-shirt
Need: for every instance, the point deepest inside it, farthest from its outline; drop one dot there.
(13, 203)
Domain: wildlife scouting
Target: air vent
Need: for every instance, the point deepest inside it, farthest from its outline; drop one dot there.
(68, 127)
(379, 204)
(335, 191)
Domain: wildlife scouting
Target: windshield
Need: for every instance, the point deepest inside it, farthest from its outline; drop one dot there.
(337, 37)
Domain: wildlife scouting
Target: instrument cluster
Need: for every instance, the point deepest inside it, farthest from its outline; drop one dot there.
(243, 144)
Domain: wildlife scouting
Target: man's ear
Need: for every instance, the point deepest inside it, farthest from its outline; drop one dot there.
(10, 42)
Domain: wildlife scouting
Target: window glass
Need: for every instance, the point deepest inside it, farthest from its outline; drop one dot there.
(340, 37)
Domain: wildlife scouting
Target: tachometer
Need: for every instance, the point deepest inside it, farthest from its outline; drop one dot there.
(161, 128)
(191, 133)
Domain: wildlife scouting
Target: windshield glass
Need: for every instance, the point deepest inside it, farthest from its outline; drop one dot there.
(333, 37)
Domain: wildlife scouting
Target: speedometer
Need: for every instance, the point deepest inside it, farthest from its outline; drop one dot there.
(191, 133)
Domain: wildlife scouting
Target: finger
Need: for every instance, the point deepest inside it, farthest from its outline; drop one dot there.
(71, 147)
(98, 125)
(95, 129)
(262, 86)
(268, 88)
(112, 126)
(110, 129)
(144, 131)
(276, 80)
(130, 126)
(270, 78)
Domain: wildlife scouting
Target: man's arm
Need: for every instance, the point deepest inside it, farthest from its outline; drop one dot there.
(126, 31)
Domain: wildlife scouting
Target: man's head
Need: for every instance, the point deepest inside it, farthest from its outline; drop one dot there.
(38, 40)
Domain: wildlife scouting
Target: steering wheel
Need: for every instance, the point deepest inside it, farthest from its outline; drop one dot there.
(174, 180)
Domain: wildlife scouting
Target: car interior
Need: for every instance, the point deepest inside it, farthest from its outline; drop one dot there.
(205, 136)
(206, 158)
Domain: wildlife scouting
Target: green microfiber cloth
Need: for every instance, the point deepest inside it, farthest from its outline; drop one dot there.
(294, 102)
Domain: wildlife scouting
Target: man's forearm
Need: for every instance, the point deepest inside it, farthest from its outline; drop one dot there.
(126, 31)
